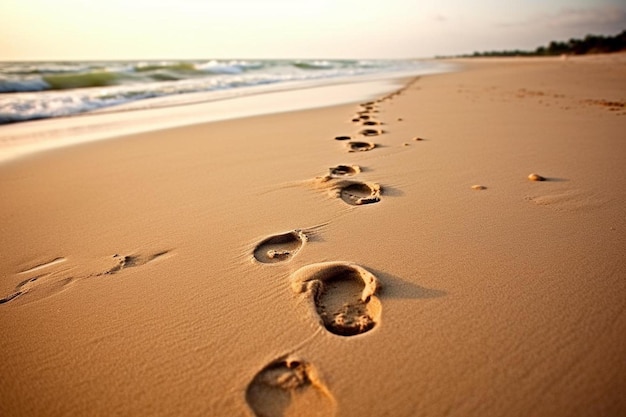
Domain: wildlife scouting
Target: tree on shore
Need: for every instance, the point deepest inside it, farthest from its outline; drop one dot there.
(591, 44)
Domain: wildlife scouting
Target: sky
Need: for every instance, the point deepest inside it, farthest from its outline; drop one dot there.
(265, 29)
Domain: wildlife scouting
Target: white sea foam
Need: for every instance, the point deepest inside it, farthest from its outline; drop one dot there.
(24, 84)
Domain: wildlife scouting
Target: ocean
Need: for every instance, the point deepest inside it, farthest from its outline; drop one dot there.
(42, 90)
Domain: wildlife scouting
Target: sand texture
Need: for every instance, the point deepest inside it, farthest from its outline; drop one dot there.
(393, 257)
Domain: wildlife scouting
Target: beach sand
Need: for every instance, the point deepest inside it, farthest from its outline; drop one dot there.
(295, 264)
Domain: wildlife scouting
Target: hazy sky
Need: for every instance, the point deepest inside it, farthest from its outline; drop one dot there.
(143, 29)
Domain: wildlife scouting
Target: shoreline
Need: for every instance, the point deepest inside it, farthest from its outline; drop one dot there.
(23, 138)
(177, 272)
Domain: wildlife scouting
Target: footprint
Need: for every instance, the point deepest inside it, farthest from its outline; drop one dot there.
(341, 171)
(280, 248)
(50, 282)
(369, 106)
(356, 146)
(354, 193)
(130, 261)
(343, 296)
(371, 132)
(289, 387)
(371, 123)
(46, 285)
(342, 138)
(359, 193)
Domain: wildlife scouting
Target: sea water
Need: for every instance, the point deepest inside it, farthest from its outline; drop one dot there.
(41, 90)
(49, 105)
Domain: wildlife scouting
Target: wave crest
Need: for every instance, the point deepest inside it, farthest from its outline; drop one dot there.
(90, 79)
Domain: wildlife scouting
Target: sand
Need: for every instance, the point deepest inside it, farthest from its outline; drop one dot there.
(263, 266)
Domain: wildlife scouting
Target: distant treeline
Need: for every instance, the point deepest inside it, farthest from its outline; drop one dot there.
(591, 44)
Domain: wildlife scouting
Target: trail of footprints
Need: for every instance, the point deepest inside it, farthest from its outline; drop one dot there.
(342, 295)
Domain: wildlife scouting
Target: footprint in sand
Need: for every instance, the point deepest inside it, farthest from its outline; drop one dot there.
(366, 110)
(47, 282)
(46, 285)
(369, 106)
(364, 115)
(342, 294)
(354, 193)
(130, 261)
(289, 387)
(280, 248)
(343, 138)
(359, 193)
(341, 171)
(371, 132)
(356, 146)
(49, 278)
(371, 123)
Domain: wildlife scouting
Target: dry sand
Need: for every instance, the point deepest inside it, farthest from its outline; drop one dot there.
(265, 266)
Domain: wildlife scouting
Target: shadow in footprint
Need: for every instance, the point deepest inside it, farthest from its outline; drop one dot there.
(343, 296)
(280, 248)
(289, 387)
